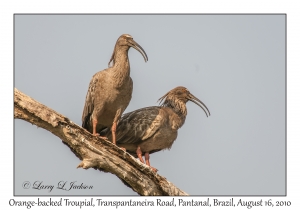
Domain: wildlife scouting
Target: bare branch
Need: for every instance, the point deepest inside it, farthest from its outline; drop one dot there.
(94, 152)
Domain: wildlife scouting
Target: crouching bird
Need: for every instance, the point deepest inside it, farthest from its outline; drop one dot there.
(151, 129)
(110, 90)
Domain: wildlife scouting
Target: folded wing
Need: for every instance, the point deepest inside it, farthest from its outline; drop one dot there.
(137, 126)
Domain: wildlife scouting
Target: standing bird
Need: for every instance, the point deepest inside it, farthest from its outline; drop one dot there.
(151, 129)
(110, 90)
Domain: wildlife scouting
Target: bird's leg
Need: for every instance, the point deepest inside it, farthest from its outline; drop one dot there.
(139, 154)
(114, 125)
(147, 158)
(95, 121)
(113, 132)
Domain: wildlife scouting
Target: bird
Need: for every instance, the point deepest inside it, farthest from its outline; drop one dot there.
(110, 90)
(155, 128)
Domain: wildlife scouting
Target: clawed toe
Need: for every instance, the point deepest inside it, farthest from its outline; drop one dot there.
(123, 148)
(153, 169)
(102, 137)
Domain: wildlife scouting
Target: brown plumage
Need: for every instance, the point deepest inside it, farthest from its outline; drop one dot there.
(151, 129)
(110, 90)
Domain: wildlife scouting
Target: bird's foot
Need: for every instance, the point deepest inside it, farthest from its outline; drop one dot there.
(153, 169)
(102, 137)
(123, 148)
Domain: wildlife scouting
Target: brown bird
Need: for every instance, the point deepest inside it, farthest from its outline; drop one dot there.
(151, 129)
(110, 90)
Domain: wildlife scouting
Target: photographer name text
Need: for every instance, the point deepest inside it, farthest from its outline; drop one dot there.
(61, 185)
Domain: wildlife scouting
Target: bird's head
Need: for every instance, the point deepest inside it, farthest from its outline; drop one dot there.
(127, 41)
(182, 94)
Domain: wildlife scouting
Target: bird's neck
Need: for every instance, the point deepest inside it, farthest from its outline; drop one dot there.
(179, 107)
(121, 67)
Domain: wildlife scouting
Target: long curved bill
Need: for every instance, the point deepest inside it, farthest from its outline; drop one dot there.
(194, 99)
(139, 48)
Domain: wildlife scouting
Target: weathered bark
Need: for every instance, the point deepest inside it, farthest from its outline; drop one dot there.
(94, 152)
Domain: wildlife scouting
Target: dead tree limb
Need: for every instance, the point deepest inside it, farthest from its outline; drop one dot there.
(94, 152)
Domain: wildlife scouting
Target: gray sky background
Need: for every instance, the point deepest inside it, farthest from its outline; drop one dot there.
(235, 64)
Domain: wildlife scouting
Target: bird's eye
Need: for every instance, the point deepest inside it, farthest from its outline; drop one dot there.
(179, 92)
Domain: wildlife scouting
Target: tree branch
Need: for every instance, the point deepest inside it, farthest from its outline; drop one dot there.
(94, 152)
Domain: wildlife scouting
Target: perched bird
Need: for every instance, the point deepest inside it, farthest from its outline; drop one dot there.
(151, 129)
(110, 90)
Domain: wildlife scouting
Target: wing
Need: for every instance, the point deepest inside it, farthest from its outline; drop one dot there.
(137, 126)
(89, 103)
